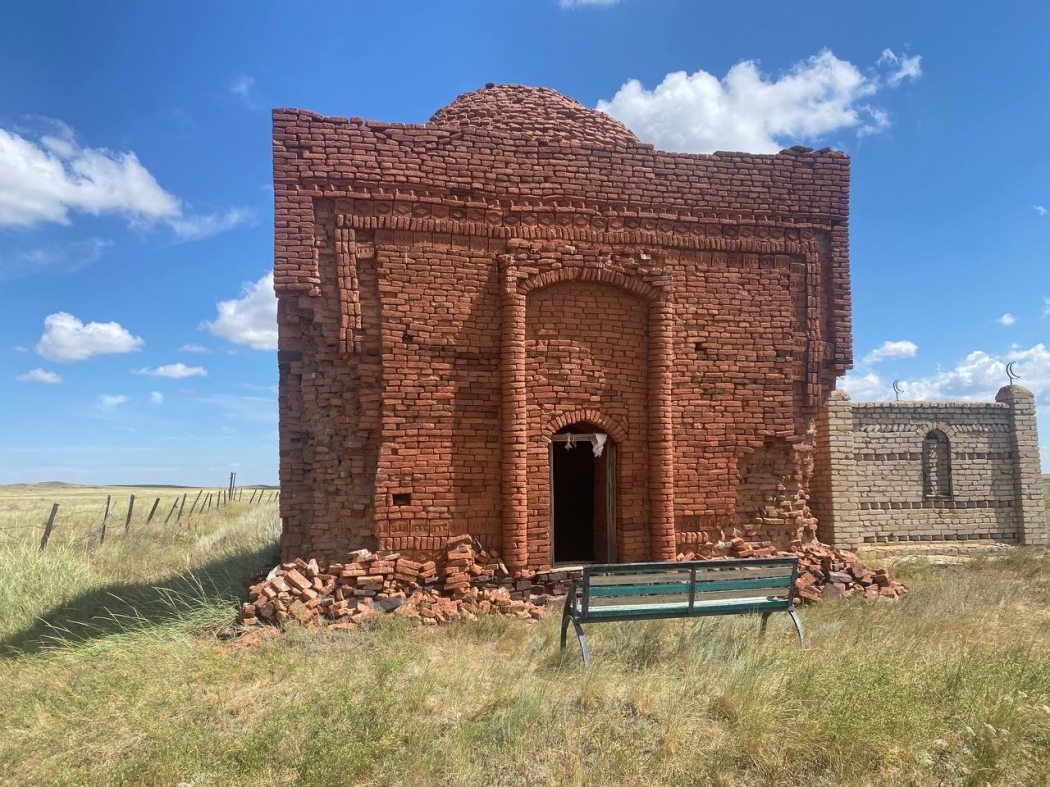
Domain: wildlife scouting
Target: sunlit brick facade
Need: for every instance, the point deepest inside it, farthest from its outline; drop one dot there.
(466, 303)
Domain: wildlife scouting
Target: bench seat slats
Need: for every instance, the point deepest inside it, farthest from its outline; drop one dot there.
(751, 605)
(714, 596)
(632, 609)
(700, 565)
(744, 584)
(599, 579)
(683, 597)
(639, 590)
(645, 590)
(658, 598)
(705, 574)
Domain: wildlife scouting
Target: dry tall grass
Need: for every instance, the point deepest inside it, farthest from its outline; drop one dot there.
(123, 681)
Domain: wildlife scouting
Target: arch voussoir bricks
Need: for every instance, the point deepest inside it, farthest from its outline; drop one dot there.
(600, 275)
(614, 428)
(453, 293)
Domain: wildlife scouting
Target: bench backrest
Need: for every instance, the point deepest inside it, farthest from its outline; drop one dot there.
(689, 588)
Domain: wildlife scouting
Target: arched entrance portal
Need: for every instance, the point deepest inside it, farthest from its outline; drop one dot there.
(583, 495)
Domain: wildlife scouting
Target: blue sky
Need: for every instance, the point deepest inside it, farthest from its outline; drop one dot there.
(136, 208)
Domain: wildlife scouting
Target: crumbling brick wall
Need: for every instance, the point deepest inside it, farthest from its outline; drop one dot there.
(884, 478)
(452, 294)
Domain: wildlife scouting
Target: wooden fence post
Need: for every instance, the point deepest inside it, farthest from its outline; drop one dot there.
(178, 519)
(131, 507)
(195, 502)
(153, 510)
(207, 502)
(173, 506)
(47, 528)
(105, 518)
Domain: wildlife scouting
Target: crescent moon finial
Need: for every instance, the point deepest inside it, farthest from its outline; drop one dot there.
(897, 389)
(1013, 375)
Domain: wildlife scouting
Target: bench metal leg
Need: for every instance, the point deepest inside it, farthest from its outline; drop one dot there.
(765, 620)
(565, 621)
(798, 627)
(583, 643)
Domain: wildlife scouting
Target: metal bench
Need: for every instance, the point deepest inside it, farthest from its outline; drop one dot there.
(656, 591)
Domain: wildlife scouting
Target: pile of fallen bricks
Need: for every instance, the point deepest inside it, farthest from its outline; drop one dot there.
(823, 571)
(469, 580)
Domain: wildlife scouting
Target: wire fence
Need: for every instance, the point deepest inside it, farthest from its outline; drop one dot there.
(75, 524)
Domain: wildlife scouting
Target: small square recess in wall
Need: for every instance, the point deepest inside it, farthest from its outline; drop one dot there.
(402, 499)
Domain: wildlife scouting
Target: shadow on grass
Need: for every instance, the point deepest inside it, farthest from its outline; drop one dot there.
(121, 607)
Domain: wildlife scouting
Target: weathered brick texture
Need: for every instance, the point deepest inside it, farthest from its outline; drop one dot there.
(453, 294)
(929, 471)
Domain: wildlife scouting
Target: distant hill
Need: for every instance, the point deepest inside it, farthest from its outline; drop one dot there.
(50, 484)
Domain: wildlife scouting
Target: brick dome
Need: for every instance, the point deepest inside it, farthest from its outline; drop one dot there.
(535, 112)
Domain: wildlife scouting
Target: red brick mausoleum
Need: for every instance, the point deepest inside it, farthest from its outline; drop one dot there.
(518, 321)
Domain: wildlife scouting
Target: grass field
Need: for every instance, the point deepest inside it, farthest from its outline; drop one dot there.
(111, 672)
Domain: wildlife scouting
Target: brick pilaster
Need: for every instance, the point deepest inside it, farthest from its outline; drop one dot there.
(834, 498)
(661, 431)
(514, 420)
(1028, 479)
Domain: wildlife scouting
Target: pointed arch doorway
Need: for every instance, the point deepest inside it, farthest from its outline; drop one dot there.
(582, 495)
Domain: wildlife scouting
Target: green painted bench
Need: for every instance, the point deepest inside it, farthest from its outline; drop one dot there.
(656, 591)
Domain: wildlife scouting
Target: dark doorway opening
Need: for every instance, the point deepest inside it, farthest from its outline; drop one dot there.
(581, 496)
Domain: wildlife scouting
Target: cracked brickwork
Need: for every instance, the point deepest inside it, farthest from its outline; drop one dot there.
(452, 294)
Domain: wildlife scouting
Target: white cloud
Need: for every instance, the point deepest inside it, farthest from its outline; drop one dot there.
(242, 86)
(980, 375)
(156, 397)
(250, 319)
(198, 227)
(749, 111)
(20, 349)
(1042, 211)
(56, 258)
(193, 348)
(39, 376)
(863, 386)
(577, 3)
(891, 350)
(174, 371)
(906, 67)
(977, 377)
(111, 401)
(1007, 319)
(66, 338)
(45, 178)
(1046, 306)
(42, 180)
